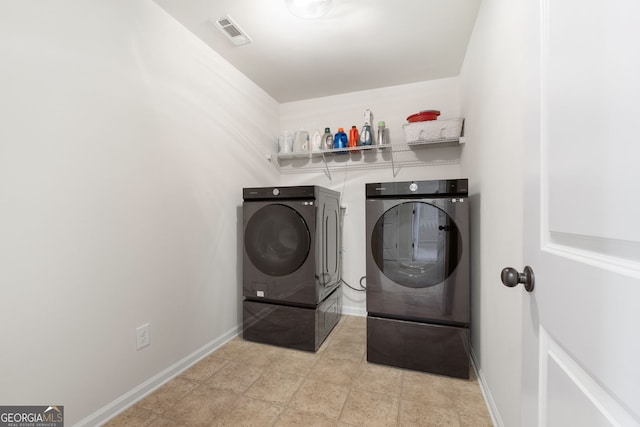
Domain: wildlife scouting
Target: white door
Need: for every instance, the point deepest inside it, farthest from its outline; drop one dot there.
(581, 363)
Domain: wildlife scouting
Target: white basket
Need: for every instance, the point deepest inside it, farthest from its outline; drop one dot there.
(433, 129)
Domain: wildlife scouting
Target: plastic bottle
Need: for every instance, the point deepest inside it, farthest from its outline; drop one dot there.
(285, 142)
(316, 141)
(340, 140)
(327, 140)
(381, 130)
(353, 139)
(366, 138)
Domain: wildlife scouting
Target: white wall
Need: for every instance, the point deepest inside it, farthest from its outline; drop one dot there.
(124, 146)
(393, 105)
(492, 102)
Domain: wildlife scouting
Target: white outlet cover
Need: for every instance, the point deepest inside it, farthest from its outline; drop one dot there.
(143, 337)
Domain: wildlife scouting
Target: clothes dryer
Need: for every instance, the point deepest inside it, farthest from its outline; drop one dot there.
(291, 265)
(417, 266)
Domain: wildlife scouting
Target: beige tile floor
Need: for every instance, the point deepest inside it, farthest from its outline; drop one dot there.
(249, 384)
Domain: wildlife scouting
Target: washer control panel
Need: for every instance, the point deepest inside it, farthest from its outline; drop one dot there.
(436, 188)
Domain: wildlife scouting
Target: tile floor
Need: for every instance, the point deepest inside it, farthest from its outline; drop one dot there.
(250, 384)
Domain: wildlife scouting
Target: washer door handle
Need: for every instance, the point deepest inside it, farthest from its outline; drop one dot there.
(510, 277)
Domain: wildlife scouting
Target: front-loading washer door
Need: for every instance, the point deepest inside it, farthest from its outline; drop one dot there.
(277, 240)
(417, 260)
(416, 245)
(280, 251)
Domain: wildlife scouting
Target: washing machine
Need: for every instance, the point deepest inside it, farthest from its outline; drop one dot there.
(418, 284)
(291, 265)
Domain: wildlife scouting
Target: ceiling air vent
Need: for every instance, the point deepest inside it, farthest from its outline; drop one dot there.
(231, 30)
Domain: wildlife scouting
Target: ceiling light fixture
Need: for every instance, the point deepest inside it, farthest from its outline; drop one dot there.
(308, 9)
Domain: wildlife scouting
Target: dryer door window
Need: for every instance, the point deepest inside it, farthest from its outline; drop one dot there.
(416, 244)
(277, 240)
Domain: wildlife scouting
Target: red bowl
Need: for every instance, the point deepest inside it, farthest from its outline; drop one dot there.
(423, 116)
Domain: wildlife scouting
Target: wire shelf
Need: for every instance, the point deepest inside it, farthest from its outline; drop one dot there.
(362, 158)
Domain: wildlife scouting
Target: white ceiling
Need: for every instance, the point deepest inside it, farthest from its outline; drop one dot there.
(357, 45)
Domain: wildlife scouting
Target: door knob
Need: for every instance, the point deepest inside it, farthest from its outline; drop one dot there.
(510, 277)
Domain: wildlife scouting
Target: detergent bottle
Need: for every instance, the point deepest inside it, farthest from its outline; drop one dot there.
(340, 140)
(366, 138)
(353, 139)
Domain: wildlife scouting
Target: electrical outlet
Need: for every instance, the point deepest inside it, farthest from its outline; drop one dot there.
(143, 338)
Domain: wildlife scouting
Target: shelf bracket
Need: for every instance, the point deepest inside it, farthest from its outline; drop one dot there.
(393, 165)
(326, 167)
(275, 162)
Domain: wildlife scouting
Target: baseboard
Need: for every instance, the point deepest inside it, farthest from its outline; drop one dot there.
(128, 399)
(119, 405)
(354, 311)
(486, 393)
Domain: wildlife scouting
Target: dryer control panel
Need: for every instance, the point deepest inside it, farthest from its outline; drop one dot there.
(272, 193)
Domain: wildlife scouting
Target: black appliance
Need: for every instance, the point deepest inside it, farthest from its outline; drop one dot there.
(417, 266)
(291, 265)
